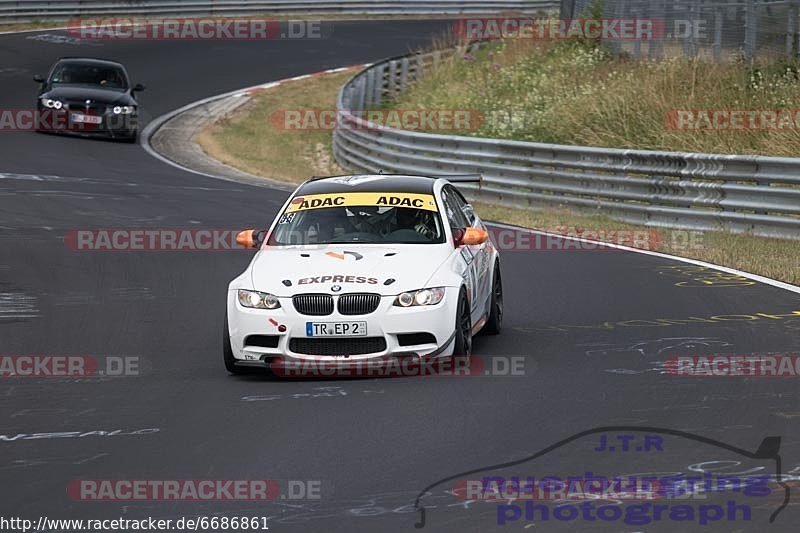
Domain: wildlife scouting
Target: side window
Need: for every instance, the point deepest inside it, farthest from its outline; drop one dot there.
(464, 206)
(455, 216)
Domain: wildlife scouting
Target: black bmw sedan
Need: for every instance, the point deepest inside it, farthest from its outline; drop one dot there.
(91, 97)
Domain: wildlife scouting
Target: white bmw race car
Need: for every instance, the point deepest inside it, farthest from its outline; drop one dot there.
(365, 268)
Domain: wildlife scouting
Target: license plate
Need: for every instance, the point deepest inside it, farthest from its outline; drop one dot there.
(86, 119)
(336, 329)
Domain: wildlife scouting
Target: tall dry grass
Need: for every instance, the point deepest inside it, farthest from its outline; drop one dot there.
(579, 93)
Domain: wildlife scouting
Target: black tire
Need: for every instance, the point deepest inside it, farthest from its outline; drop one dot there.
(132, 139)
(227, 352)
(462, 350)
(494, 325)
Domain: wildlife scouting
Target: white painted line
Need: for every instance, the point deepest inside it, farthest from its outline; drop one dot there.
(748, 275)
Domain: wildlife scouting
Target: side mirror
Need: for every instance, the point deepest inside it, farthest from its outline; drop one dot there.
(250, 238)
(470, 237)
(38, 78)
(138, 87)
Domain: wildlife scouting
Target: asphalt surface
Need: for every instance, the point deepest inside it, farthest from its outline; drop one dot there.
(592, 328)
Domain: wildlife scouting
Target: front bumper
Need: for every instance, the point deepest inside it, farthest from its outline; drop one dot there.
(111, 125)
(386, 323)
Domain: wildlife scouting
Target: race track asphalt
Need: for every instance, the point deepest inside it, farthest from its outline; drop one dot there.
(593, 329)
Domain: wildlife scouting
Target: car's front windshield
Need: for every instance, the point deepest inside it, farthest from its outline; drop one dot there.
(384, 218)
(102, 76)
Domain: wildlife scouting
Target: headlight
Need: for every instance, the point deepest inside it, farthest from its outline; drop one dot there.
(123, 110)
(258, 300)
(52, 104)
(420, 297)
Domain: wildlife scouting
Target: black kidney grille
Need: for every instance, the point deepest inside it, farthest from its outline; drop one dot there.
(313, 304)
(92, 109)
(333, 346)
(358, 304)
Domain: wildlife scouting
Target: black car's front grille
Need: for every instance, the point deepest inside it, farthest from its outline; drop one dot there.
(313, 304)
(338, 346)
(91, 109)
(358, 304)
(413, 339)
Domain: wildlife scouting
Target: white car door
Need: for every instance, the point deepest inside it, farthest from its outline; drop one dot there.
(470, 254)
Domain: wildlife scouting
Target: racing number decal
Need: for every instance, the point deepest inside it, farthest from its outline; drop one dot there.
(286, 218)
(380, 199)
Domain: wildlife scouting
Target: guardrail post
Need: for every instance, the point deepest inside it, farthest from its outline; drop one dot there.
(616, 44)
(750, 29)
(420, 68)
(567, 10)
(791, 29)
(691, 42)
(377, 88)
(656, 48)
(392, 79)
(404, 75)
(797, 25)
(359, 97)
(369, 89)
(717, 47)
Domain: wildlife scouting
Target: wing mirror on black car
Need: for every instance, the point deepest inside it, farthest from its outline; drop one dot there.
(251, 238)
(38, 78)
(469, 237)
(138, 87)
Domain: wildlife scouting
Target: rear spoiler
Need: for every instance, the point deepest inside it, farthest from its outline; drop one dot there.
(453, 178)
(462, 178)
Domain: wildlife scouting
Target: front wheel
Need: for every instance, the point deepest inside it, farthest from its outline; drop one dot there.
(462, 350)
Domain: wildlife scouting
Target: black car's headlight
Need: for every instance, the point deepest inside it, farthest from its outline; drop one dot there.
(52, 104)
(258, 300)
(421, 297)
(123, 109)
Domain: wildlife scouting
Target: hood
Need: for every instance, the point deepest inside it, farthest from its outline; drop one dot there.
(100, 96)
(356, 268)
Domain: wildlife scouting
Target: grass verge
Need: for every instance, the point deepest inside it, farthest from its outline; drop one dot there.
(247, 140)
(26, 26)
(251, 141)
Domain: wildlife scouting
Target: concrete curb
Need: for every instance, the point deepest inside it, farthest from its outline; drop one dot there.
(170, 137)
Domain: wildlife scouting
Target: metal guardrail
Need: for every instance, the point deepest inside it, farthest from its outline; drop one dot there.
(754, 194)
(31, 10)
